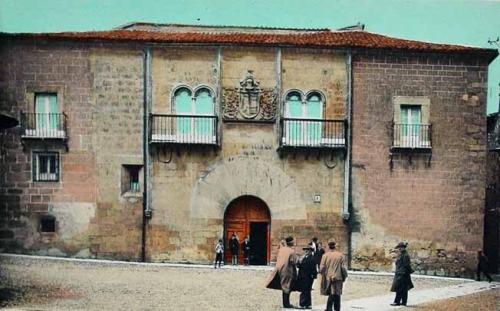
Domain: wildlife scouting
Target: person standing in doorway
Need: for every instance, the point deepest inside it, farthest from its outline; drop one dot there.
(482, 266)
(402, 280)
(219, 252)
(246, 250)
(333, 274)
(234, 246)
(306, 277)
(284, 275)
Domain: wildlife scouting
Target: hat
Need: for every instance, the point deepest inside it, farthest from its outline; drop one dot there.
(331, 242)
(402, 245)
(289, 240)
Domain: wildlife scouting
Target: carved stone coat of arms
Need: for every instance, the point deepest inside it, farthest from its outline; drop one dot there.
(249, 102)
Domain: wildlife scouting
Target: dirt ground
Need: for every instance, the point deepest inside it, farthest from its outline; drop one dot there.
(29, 283)
(484, 301)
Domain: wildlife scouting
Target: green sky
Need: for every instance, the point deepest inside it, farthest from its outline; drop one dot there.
(468, 22)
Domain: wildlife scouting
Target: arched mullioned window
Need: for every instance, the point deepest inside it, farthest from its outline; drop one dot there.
(195, 122)
(303, 113)
(183, 103)
(202, 103)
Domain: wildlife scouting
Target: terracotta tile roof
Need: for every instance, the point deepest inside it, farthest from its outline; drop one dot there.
(319, 39)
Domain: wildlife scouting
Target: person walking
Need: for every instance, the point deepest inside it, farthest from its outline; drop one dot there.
(333, 276)
(307, 275)
(246, 250)
(402, 280)
(234, 246)
(482, 266)
(284, 275)
(219, 252)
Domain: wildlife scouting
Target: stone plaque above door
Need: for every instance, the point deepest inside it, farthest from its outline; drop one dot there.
(249, 102)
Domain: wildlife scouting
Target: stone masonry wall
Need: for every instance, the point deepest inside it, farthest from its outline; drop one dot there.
(100, 91)
(438, 209)
(117, 102)
(27, 67)
(193, 186)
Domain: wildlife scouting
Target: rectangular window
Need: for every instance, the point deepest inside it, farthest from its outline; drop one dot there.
(411, 122)
(48, 224)
(45, 166)
(131, 178)
(46, 111)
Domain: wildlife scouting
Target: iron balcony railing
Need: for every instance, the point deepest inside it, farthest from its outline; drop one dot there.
(184, 129)
(43, 125)
(312, 133)
(412, 136)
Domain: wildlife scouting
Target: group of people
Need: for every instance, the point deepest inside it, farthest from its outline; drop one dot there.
(294, 273)
(297, 273)
(234, 248)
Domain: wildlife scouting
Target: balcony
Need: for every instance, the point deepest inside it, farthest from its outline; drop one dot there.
(312, 133)
(184, 129)
(416, 137)
(43, 125)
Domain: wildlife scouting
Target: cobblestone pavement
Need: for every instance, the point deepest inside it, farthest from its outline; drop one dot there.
(43, 284)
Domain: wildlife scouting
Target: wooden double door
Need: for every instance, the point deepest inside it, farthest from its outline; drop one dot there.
(248, 216)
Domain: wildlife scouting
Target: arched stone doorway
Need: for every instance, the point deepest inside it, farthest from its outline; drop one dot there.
(249, 215)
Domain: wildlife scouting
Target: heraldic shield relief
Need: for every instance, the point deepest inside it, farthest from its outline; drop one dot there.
(249, 102)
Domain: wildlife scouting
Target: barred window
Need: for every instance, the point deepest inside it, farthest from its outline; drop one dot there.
(46, 166)
(131, 178)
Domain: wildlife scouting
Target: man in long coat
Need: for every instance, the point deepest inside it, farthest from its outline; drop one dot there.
(284, 274)
(402, 280)
(307, 274)
(333, 275)
(234, 246)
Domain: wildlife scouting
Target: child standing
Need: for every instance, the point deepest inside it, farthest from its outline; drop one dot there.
(219, 252)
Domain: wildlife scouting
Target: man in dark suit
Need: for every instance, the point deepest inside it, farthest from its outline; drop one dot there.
(234, 246)
(402, 276)
(307, 274)
(246, 250)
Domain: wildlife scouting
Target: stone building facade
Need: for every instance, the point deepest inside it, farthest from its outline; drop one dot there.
(151, 142)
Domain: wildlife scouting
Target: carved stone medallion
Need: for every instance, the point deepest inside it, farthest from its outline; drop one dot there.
(249, 102)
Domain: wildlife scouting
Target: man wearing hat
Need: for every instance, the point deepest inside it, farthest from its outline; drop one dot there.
(307, 274)
(402, 279)
(333, 275)
(284, 274)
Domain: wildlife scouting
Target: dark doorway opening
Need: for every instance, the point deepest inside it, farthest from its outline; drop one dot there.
(258, 243)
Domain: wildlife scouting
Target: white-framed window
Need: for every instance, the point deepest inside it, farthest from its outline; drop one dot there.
(304, 116)
(193, 110)
(45, 166)
(46, 111)
(411, 122)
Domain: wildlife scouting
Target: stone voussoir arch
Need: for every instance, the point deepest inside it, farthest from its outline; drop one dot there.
(226, 181)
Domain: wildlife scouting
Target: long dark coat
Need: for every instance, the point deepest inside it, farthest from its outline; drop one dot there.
(284, 275)
(307, 273)
(234, 246)
(246, 248)
(402, 279)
